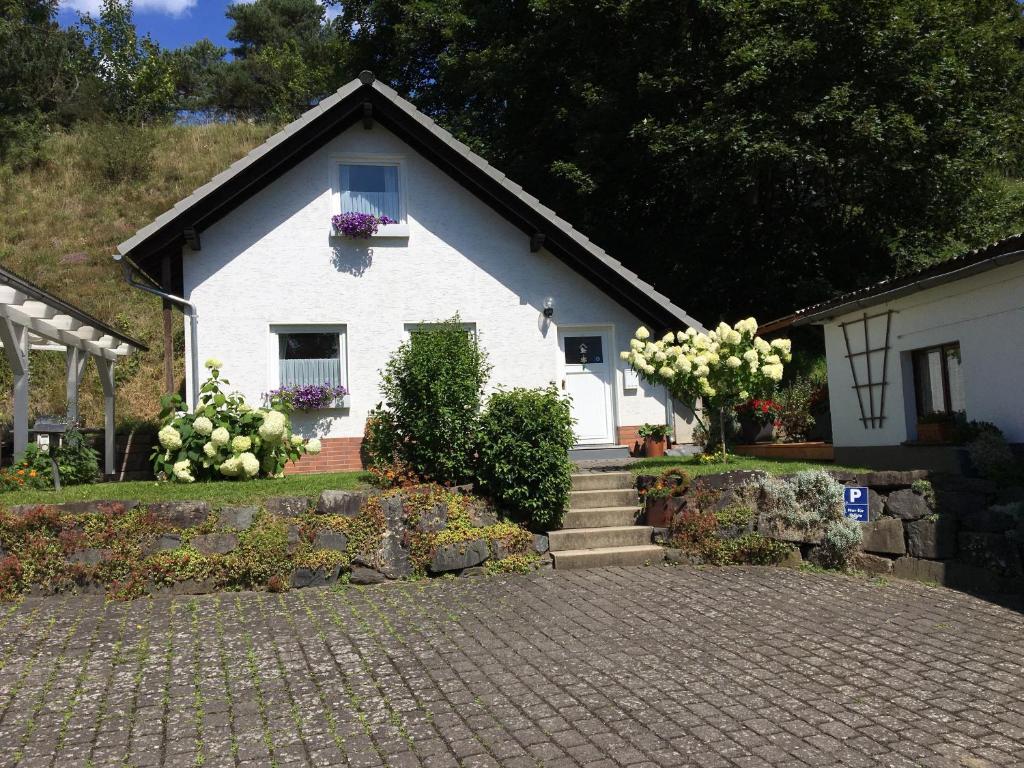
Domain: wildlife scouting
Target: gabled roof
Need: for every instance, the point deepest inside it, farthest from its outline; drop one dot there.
(369, 100)
(1006, 251)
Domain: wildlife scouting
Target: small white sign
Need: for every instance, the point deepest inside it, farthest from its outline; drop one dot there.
(630, 379)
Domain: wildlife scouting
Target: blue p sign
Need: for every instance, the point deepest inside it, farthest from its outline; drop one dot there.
(855, 499)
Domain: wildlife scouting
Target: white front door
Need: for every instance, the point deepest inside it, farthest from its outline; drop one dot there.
(588, 381)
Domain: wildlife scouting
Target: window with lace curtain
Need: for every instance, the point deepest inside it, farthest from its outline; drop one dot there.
(372, 185)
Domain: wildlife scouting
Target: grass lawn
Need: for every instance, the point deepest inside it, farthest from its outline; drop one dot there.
(218, 494)
(771, 466)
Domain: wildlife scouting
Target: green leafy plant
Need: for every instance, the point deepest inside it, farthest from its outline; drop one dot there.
(793, 407)
(225, 438)
(433, 385)
(671, 482)
(78, 461)
(525, 437)
(992, 457)
(653, 431)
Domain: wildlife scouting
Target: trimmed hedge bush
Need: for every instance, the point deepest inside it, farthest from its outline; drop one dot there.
(525, 437)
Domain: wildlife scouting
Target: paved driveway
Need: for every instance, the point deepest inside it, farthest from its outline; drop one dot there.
(618, 667)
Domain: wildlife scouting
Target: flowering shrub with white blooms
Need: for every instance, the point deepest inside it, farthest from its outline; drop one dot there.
(722, 368)
(225, 437)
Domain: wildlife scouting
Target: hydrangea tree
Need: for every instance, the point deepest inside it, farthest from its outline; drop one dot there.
(721, 368)
(225, 438)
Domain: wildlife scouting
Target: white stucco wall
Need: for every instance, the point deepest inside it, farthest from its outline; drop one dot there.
(984, 313)
(272, 261)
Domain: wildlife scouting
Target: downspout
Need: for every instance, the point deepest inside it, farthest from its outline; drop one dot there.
(129, 271)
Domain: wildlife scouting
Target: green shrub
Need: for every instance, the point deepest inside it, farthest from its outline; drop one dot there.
(78, 461)
(433, 385)
(525, 437)
(992, 456)
(819, 494)
(118, 152)
(795, 402)
(841, 541)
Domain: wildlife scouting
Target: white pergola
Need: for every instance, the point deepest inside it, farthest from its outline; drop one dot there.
(32, 319)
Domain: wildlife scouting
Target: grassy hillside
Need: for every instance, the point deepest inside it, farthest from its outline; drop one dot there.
(60, 223)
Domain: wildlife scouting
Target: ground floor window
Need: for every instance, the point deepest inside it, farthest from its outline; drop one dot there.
(310, 355)
(938, 381)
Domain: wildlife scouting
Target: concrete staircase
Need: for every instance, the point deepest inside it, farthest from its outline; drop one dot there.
(600, 529)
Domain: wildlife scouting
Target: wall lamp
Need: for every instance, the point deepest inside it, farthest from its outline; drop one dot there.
(549, 307)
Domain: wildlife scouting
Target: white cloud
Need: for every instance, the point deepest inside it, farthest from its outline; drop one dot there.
(170, 7)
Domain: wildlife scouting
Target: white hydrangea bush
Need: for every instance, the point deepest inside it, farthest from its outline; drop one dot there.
(225, 438)
(721, 368)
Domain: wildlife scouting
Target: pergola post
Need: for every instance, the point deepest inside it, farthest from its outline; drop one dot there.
(76, 361)
(106, 369)
(15, 340)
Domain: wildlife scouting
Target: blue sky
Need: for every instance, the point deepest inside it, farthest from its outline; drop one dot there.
(172, 23)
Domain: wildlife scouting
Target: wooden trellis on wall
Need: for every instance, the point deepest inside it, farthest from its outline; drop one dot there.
(871, 380)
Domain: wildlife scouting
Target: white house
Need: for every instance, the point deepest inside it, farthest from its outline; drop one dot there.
(271, 282)
(946, 340)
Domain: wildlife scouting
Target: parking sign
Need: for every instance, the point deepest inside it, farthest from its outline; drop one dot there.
(856, 501)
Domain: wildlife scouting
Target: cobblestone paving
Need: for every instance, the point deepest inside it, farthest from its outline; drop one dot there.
(603, 668)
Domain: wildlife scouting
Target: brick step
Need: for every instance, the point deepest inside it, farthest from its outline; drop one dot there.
(608, 556)
(600, 517)
(602, 481)
(600, 538)
(621, 497)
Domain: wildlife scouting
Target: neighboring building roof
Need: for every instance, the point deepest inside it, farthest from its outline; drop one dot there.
(973, 262)
(52, 320)
(366, 99)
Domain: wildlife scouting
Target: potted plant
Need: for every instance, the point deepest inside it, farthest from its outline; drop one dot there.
(936, 428)
(310, 397)
(654, 439)
(664, 497)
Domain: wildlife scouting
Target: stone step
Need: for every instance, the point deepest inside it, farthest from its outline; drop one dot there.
(602, 481)
(620, 497)
(608, 556)
(600, 517)
(600, 538)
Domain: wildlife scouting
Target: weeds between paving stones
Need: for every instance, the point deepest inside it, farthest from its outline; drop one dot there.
(218, 624)
(101, 714)
(364, 665)
(55, 669)
(393, 716)
(198, 711)
(165, 693)
(20, 683)
(141, 657)
(254, 680)
(11, 647)
(355, 704)
(282, 671)
(325, 709)
(76, 693)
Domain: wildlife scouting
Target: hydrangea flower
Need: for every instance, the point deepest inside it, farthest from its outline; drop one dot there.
(313, 446)
(296, 440)
(213, 362)
(249, 463)
(210, 449)
(202, 425)
(182, 471)
(231, 467)
(642, 333)
(169, 438)
(273, 427)
(240, 443)
(220, 437)
(733, 362)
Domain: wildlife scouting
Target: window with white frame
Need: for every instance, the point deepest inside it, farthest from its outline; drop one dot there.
(371, 184)
(310, 354)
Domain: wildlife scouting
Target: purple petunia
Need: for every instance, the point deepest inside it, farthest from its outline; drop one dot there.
(359, 226)
(310, 397)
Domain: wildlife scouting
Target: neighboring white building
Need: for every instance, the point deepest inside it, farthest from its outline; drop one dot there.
(254, 251)
(946, 339)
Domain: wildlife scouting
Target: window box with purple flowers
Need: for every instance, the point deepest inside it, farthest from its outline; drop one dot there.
(312, 397)
(363, 226)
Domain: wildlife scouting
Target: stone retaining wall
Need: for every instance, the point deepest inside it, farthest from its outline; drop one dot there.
(959, 532)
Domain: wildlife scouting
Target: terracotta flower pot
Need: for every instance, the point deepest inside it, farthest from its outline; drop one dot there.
(654, 447)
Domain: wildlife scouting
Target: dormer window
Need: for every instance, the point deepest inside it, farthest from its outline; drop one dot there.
(371, 185)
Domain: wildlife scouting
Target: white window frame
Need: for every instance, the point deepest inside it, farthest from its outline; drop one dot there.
(401, 229)
(274, 348)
